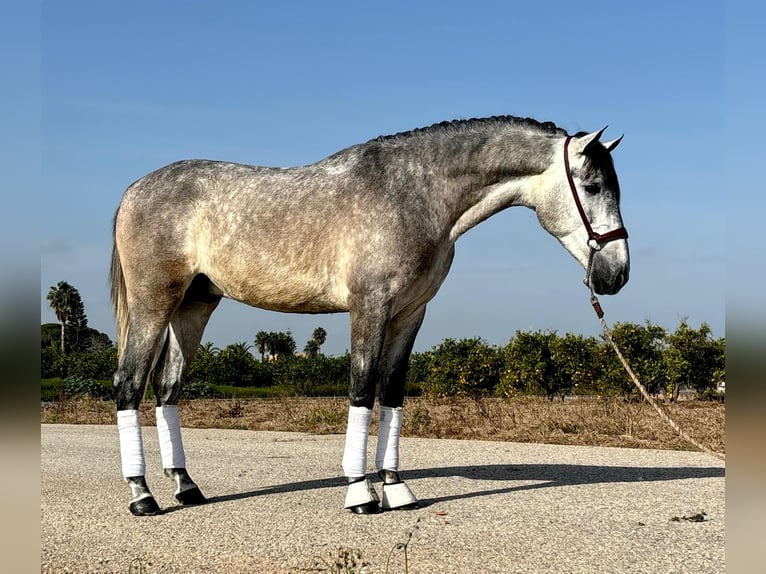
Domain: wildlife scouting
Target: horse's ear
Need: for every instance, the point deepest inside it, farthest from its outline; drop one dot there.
(584, 142)
(610, 145)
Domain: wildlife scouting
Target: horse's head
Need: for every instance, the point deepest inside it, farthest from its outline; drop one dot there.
(581, 208)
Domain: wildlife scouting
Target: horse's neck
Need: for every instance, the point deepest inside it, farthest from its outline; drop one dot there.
(498, 173)
(489, 200)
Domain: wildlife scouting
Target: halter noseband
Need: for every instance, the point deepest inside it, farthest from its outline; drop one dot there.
(595, 240)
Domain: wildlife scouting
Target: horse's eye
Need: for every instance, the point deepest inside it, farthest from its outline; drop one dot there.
(592, 188)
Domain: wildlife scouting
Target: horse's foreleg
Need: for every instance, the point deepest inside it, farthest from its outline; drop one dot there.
(184, 335)
(400, 339)
(369, 321)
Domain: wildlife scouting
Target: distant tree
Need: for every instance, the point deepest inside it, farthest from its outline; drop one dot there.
(694, 359)
(97, 341)
(719, 360)
(311, 349)
(319, 336)
(673, 365)
(50, 336)
(61, 298)
(643, 347)
(263, 343)
(234, 365)
(239, 349)
(78, 321)
(95, 364)
(576, 357)
(202, 368)
(461, 367)
(282, 344)
(533, 364)
(417, 372)
(318, 376)
(207, 349)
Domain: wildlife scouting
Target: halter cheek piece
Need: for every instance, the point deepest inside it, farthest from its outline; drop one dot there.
(595, 240)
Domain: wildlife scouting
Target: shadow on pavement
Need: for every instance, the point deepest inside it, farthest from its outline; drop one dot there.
(541, 476)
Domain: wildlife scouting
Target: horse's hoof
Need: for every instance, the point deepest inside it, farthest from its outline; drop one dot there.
(146, 506)
(368, 508)
(191, 496)
(361, 497)
(396, 494)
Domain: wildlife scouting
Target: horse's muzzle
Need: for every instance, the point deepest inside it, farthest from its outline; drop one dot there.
(609, 285)
(609, 273)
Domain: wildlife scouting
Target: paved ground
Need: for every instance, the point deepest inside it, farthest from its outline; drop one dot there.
(276, 506)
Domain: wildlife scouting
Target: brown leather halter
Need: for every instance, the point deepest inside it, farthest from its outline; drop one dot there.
(595, 240)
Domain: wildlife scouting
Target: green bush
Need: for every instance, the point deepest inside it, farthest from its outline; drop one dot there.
(99, 364)
(198, 390)
(643, 346)
(532, 366)
(234, 366)
(76, 386)
(417, 373)
(464, 367)
(313, 377)
(531, 363)
(51, 389)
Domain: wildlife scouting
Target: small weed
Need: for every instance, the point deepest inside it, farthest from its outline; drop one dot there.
(403, 546)
(699, 517)
(350, 560)
(419, 420)
(236, 410)
(346, 561)
(327, 418)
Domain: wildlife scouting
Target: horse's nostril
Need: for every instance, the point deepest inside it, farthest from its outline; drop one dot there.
(620, 280)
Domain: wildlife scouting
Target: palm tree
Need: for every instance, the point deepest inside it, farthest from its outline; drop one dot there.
(60, 299)
(282, 344)
(263, 343)
(239, 349)
(208, 350)
(311, 349)
(319, 337)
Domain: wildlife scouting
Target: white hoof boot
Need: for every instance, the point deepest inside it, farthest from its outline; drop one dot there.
(361, 497)
(396, 494)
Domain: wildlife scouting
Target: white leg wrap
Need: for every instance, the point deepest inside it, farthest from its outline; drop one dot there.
(169, 433)
(131, 443)
(357, 433)
(387, 451)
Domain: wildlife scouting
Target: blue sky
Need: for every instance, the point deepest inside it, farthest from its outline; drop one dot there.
(129, 87)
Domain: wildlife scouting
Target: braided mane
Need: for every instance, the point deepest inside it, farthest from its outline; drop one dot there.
(464, 125)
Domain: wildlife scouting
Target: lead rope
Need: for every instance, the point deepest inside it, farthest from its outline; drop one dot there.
(607, 331)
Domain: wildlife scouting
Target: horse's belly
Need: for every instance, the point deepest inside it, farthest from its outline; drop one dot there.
(293, 296)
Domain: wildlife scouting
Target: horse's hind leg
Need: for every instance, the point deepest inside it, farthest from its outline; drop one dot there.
(183, 338)
(133, 370)
(400, 339)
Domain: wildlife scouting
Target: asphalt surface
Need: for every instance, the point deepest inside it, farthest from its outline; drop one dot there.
(275, 505)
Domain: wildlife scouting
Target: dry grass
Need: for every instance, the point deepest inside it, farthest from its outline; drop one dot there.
(596, 422)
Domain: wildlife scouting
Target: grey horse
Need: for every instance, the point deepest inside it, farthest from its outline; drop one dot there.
(369, 230)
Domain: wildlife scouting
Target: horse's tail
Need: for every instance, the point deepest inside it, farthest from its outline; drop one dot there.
(119, 296)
